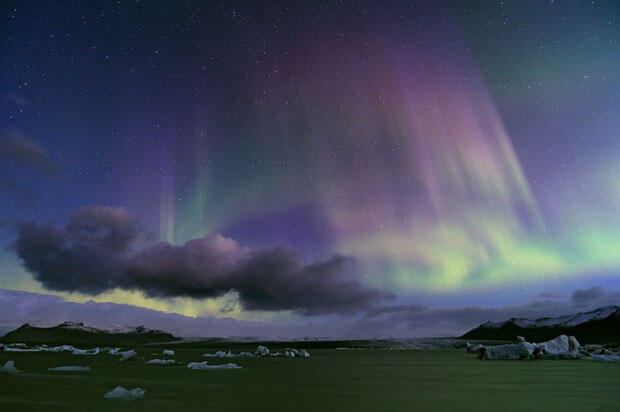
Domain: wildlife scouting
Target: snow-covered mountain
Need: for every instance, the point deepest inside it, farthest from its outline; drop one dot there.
(597, 326)
(77, 332)
(109, 329)
(560, 321)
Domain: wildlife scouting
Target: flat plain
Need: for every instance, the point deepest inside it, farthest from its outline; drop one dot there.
(330, 380)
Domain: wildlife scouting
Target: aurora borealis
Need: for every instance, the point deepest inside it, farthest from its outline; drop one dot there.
(456, 153)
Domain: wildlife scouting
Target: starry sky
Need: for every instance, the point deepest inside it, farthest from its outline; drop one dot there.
(284, 161)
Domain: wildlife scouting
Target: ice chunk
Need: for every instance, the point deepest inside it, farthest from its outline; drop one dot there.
(90, 352)
(573, 344)
(521, 350)
(168, 352)
(555, 346)
(70, 368)
(606, 358)
(161, 362)
(205, 365)
(125, 394)
(9, 368)
(45, 348)
(128, 354)
(471, 348)
(35, 349)
(291, 353)
(246, 354)
(219, 354)
(62, 348)
(561, 347)
(261, 351)
(229, 354)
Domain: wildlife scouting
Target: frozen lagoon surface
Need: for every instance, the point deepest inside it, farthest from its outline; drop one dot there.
(344, 380)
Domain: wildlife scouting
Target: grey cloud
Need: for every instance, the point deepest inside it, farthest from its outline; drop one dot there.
(591, 294)
(103, 248)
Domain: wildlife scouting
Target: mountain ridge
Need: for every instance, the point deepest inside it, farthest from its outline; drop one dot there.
(601, 325)
(77, 332)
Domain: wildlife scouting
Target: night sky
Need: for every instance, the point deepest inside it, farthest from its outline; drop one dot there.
(310, 161)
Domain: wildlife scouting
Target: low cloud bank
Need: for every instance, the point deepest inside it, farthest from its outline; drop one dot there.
(402, 321)
(103, 248)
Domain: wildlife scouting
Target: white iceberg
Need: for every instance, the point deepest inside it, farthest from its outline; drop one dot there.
(612, 357)
(292, 353)
(161, 362)
(261, 351)
(10, 349)
(246, 355)
(565, 347)
(205, 365)
(9, 368)
(229, 354)
(45, 348)
(87, 352)
(126, 355)
(125, 394)
(70, 369)
(168, 352)
(61, 348)
(219, 354)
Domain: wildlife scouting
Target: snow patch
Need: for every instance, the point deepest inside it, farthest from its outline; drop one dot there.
(168, 352)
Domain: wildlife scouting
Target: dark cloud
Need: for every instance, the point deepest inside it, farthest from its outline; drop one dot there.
(551, 295)
(103, 248)
(276, 279)
(88, 255)
(19, 149)
(591, 294)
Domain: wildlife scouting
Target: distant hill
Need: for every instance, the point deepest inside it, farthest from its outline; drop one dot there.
(598, 326)
(78, 333)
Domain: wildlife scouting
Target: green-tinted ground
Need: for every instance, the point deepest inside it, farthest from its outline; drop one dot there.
(331, 380)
